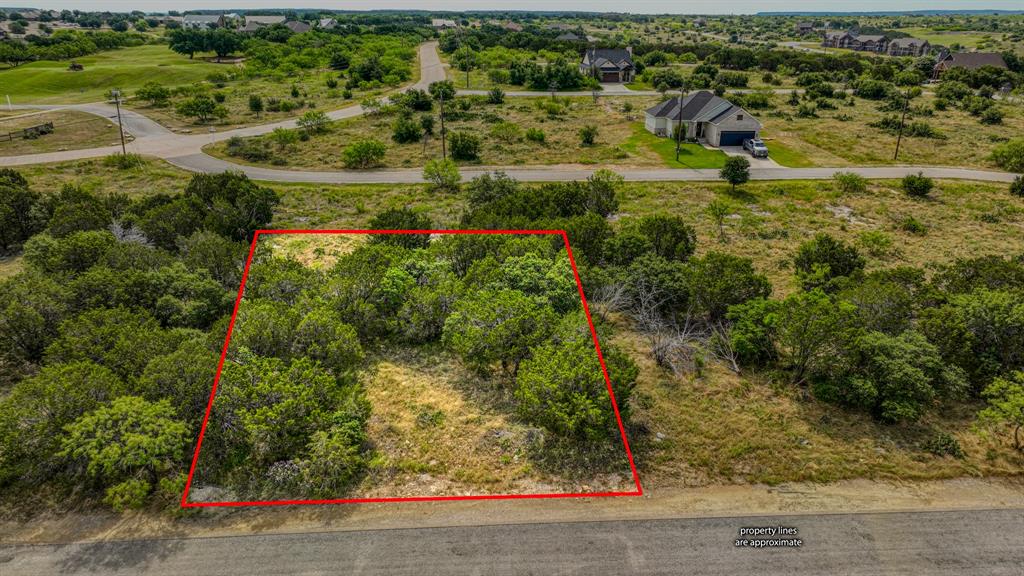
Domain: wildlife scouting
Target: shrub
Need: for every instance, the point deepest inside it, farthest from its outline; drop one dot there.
(876, 243)
(496, 96)
(255, 104)
(1017, 186)
(991, 116)
(943, 444)
(363, 154)
(124, 161)
(850, 183)
(912, 225)
(1010, 155)
(535, 135)
(406, 129)
(219, 97)
(401, 219)
(156, 93)
(313, 122)
(507, 132)
(807, 110)
(588, 135)
(443, 175)
(332, 82)
(464, 145)
(917, 185)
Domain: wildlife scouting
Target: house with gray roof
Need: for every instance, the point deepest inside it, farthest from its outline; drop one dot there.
(608, 64)
(202, 21)
(298, 26)
(968, 60)
(264, 20)
(706, 118)
(909, 47)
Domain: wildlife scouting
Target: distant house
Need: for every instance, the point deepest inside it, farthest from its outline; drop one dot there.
(804, 28)
(298, 26)
(837, 39)
(968, 60)
(700, 22)
(202, 21)
(264, 20)
(909, 47)
(608, 65)
(568, 37)
(443, 24)
(707, 118)
(514, 27)
(870, 43)
(327, 23)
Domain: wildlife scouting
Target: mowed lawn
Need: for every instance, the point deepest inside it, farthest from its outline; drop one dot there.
(50, 82)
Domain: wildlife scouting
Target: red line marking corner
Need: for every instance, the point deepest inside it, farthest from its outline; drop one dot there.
(231, 325)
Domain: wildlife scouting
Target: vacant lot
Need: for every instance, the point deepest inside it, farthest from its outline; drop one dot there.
(49, 82)
(716, 426)
(621, 139)
(843, 137)
(71, 130)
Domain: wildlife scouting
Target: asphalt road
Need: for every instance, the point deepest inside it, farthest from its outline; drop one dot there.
(957, 543)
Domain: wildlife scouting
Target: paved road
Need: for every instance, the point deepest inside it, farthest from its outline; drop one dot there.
(920, 544)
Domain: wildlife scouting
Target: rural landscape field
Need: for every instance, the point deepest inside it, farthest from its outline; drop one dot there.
(642, 262)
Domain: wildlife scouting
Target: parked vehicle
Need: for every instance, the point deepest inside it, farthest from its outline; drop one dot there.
(756, 147)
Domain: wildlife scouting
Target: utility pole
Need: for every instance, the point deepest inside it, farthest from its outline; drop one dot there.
(444, 152)
(120, 127)
(679, 121)
(553, 87)
(903, 119)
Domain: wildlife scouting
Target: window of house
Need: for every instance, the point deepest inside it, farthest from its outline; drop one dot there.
(739, 117)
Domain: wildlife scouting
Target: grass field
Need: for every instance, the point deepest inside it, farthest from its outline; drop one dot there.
(690, 155)
(50, 82)
(562, 143)
(716, 426)
(830, 141)
(968, 40)
(72, 130)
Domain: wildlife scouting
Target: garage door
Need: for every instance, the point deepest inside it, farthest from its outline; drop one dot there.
(610, 77)
(734, 138)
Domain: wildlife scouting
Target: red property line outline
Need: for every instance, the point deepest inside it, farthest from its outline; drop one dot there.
(224, 351)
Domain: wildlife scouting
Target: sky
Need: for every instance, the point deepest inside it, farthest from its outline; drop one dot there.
(634, 6)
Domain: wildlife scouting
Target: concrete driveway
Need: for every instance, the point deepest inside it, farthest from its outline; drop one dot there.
(754, 162)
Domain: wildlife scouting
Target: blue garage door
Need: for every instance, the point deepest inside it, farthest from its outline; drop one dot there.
(734, 138)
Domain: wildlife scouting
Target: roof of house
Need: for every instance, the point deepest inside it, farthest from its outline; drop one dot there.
(297, 26)
(203, 18)
(327, 23)
(568, 36)
(908, 42)
(836, 33)
(870, 38)
(973, 60)
(264, 19)
(514, 27)
(617, 58)
(805, 25)
(442, 22)
(702, 106)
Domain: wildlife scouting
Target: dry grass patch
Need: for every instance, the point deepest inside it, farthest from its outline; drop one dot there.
(72, 130)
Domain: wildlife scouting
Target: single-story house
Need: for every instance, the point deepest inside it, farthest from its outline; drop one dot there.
(968, 60)
(202, 21)
(707, 118)
(608, 64)
(298, 26)
(259, 21)
(327, 23)
(909, 47)
(443, 24)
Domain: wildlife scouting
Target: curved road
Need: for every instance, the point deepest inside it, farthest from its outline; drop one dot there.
(185, 151)
(953, 543)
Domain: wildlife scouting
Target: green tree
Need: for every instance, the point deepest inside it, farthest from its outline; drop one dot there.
(404, 218)
(1010, 155)
(562, 388)
(202, 108)
(917, 185)
(364, 154)
(443, 175)
(1017, 186)
(265, 328)
(811, 328)
(255, 104)
(1006, 405)
(322, 336)
(129, 439)
(465, 59)
(233, 206)
(736, 171)
(671, 236)
(497, 326)
(32, 306)
(156, 93)
(184, 378)
(896, 378)
(313, 122)
(406, 129)
(187, 41)
(823, 260)
(718, 281)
